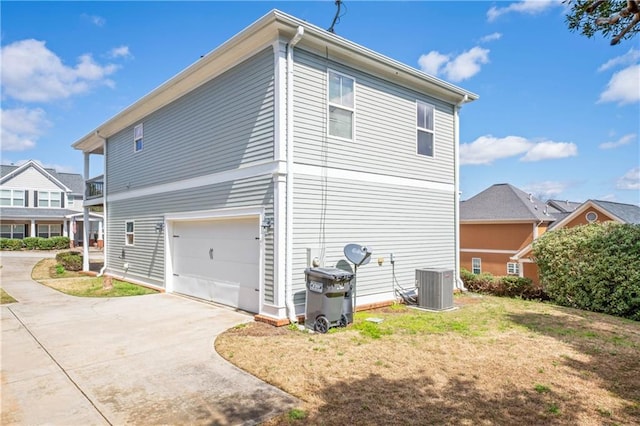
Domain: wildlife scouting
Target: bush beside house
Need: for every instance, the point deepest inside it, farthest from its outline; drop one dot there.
(507, 286)
(35, 243)
(594, 267)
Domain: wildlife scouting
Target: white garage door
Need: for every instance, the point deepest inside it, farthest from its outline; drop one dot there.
(218, 260)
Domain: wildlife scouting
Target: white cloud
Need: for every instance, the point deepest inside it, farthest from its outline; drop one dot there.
(531, 7)
(626, 139)
(21, 128)
(33, 73)
(120, 52)
(95, 19)
(624, 86)
(549, 150)
(487, 149)
(462, 67)
(491, 37)
(630, 180)
(631, 57)
(546, 189)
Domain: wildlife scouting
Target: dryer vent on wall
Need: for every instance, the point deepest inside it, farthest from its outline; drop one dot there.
(435, 288)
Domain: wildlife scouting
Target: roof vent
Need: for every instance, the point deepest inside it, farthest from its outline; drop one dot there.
(531, 197)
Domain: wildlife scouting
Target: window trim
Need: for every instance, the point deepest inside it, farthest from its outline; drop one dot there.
(340, 106)
(473, 266)
(137, 137)
(426, 130)
(48, 233)
(127, 233)
(515, 266)
(595, 216)
(12, 226)
(12, 198)
(48, 199)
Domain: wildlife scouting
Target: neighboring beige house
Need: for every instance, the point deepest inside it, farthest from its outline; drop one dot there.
(42, 202)
(499, 225)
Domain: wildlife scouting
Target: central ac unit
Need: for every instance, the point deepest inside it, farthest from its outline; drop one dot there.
(435, 288)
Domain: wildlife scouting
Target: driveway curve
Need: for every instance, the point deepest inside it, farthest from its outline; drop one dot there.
(111, 361)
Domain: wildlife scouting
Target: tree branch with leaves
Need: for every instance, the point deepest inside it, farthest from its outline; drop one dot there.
(618, 19)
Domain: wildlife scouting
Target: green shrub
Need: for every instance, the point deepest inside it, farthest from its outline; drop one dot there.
(10, 244)
(507, 286)
(60, 243)
(595, 267)
(31, 243)
(70, 260)
(45, 244)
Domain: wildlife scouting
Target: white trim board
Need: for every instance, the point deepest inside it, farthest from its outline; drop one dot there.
(467, 250)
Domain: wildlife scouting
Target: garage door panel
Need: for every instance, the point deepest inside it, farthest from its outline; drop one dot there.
(218, 260)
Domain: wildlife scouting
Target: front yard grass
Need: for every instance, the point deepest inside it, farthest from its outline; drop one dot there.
(76, 284)
(492, 361)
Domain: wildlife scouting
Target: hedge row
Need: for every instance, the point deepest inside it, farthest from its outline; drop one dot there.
(594, 267)
(70, 260)
(506, 286)
(35, 243)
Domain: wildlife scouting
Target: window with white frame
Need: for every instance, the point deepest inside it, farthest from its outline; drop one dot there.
(476, 265)
(12, 197)
(12, 231)
(341, 105)
(591, 217)
(424, 125)
(48, 231)
(128, 233)
(49, 199)
(138, 134)
(513, 268)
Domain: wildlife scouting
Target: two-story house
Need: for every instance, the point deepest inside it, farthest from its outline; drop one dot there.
(42, 202)
(281, 146)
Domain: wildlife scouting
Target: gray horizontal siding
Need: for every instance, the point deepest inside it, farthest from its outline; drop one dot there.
(220, 125)
(415, 224)
(146, 257)
(385, 132)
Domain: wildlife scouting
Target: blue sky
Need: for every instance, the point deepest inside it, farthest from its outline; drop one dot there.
(558, 114)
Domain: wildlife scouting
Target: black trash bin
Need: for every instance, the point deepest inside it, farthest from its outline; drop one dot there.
(325, 298)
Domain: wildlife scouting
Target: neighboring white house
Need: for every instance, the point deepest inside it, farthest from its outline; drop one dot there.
(41, 202)
(282, 145)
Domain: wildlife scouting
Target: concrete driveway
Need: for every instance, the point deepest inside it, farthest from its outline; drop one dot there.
(132, 360)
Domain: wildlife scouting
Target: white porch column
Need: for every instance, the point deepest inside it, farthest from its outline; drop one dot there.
(32, 231)
(65, 228)
(100, 230)
(85, 217)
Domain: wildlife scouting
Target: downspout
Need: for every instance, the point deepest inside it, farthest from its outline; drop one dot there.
(104, 204)
(456, 178)
(288, 292)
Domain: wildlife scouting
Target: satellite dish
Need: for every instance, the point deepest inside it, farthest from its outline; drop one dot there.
(358, 254)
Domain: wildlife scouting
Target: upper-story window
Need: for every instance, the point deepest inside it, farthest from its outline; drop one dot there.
(425, 137)
(12, 197)
(138, 134)
(49, 199)
(341, 105)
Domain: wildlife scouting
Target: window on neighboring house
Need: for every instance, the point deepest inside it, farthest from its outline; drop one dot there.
(128, 233)
(591, 217)
(513, 268)
(12, 197)
(12, 231)
(476, 265)
(48, 231)
(137, 138)
(425, 137)
(341, 105)
(49, 199)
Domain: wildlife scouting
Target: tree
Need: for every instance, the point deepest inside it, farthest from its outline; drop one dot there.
(618, 19)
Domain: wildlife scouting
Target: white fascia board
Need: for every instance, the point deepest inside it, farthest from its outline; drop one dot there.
(352, 175)
(40, 169)
(581, 209)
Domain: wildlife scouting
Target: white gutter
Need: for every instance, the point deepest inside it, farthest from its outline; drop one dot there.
(456, 178)
(288, 290)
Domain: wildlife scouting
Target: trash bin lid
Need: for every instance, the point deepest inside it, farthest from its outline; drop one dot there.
(334, 274)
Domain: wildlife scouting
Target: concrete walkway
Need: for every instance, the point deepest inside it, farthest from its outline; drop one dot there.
(132, 360)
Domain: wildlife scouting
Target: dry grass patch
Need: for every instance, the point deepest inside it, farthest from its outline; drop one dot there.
(76, 284)
(5, 297)
(493, 361)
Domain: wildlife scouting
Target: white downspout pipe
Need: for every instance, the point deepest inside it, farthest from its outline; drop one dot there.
(104, 203)
(288, 292)
(456, 178)
(85, 217)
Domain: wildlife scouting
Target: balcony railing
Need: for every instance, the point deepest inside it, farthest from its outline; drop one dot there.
(95, 187)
